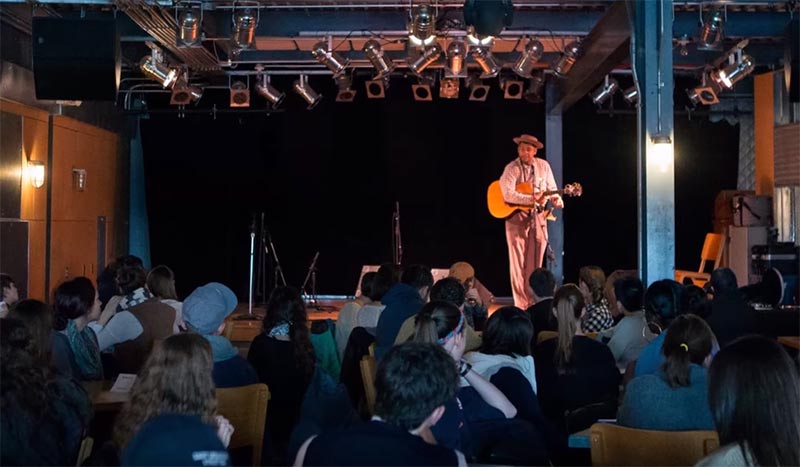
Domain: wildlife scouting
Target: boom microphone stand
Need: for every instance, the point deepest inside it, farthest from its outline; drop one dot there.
(397, 242)
(250, 315)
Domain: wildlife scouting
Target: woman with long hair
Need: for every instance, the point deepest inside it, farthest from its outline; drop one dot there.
(574, 371)
(284, 359)
(175, 379)
(676, 397)
(76, 303)
(591, 280)
(161, 283)
(43, 415)
(754, 394)
(38, 318)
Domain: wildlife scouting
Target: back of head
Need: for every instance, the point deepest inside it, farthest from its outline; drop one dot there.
(568, 304)
(508, 332)
(723, 281)
(131, 275)
(754, 396)
(417, 276)
(23, 377)
(38, 319)
(629, 292)
(450, 290)
(436, 322)
(697, 302)
(5, 282)
(387, 276)
(688, 340)
(161, 283)
(72, 300)
(367, 285)
(662, 301)
(595, 279)
(206, 308)
(543, 282)
(413, 379)
(463, 272)
(286, 315)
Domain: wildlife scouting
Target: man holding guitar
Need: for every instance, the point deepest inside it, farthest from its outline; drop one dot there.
(526, 229)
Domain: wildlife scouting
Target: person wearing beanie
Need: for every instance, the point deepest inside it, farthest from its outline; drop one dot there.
(204, 312)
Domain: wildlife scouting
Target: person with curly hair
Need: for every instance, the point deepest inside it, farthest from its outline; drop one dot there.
(175, 379)
(43, 415)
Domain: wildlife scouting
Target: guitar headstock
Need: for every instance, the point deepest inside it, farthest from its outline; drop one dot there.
(573, 189)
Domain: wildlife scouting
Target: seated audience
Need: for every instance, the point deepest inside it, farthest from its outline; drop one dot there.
(285, 361)
(9, 295)
(107, 286)
(161, 283)
(204, 312)
(132, 321)
(543, 284)
(755, 402)
(627, 339)
(402, 301)
(598, 317)
(75, 345)
(697, 302)
(475, 310)
(387, 276)
(662, 304)
(413, 383)
(731, 316)
(50, 348)
(175, 380)
(574, 371)
(348, 315)
(43, 415)
(676, 398)
(190, 442)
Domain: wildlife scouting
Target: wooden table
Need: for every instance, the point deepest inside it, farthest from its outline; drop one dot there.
(104, 400)
(790, 341)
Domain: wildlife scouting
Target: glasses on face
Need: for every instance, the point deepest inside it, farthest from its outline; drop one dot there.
(455, 331)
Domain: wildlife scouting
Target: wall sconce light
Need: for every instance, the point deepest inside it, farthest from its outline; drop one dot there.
(36, 173)
(79, 179)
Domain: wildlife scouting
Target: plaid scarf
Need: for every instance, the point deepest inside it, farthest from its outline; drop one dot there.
(134, 298)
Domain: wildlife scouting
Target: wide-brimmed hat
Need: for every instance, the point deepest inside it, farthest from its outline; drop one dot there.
(529, 139)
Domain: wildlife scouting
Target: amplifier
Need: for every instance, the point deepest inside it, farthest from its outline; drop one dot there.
(785, 257)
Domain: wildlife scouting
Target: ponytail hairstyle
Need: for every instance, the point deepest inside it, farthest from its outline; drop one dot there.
(437, 322)
(595, 279)
(38, 319)
(568, 304)
(285, 306)
(688, 340)
(161, 283)
(72, 300)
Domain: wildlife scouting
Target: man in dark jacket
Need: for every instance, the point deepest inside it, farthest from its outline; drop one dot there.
(402, 301)
(543, 284)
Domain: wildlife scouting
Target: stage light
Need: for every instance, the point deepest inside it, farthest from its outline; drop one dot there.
(605, 91)
(534, 92)
(155, 69)
(269, 92)
(711, 32)
(36, 173)
(486, 61)
(376, 88)
(331, 59)
(512, 88)
(705, 95)
(530, 56)
(449, 87)
(477, 90)
(631, 95)
(734, 72)
(422, 31)
(456, 52)
(683, 42)
(183, 93)
(488, 18)
(567, 60)
(663, 152)
(422, 92)
(240, 94)
(374, 52)
(302, 88)
(428, 57)
(244, 28)
(346, 93)
(189, 21)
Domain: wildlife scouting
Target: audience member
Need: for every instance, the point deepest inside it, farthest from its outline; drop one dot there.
(173, 439)
(107, 286)
(662, 304)
(43, 415)
(755, 402)
(413, 383)
(349, 313)
(204, 312)
(38, 319)
(402, 301)
(697, 302)
(10, 294)
(475, 310)
(543, 284)
(161, 283)
(731, 316)
(598, 316)
(285, 361)
(574, 371)
(627, 339)
(75, 345)
(175, 380)
(387, 276)
(676, 398)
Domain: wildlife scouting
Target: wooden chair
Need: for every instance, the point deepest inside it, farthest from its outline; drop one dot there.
(546, 335)
(617, 445)
(246, 408)
(85, 450)
(712, 251)
(368, 370)
(372, 350)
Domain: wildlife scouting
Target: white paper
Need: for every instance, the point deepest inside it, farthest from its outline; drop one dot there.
(124, 382)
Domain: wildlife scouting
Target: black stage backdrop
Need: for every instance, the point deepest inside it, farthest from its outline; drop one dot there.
(327, 181)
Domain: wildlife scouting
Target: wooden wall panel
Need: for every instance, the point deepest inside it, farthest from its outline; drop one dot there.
(34, 147)
(764, 125)
(37, 251)
(65, 204)
(73, 250)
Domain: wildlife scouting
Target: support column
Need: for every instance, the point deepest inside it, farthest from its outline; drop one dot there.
(139, 231)
(652, 46)
(555, 153)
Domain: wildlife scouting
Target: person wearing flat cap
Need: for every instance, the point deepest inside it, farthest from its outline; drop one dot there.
(526, 231)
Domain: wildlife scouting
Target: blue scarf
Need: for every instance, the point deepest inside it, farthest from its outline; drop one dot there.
(87, 353)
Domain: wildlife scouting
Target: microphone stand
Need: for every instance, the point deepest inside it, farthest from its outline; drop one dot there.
(250, 315)
(312, 275)
(397, 243)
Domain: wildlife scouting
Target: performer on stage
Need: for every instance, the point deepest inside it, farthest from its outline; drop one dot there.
(526, 232)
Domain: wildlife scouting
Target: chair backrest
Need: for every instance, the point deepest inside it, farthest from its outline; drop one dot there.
(546, 335)
(368, 370)
(372, 350)
(246, 408)
(712, 250)
(85, 450)
(617, 445)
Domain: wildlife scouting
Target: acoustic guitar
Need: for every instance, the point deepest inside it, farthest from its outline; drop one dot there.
(500, 209)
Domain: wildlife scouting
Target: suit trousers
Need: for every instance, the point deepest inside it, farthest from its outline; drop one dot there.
(526, 235)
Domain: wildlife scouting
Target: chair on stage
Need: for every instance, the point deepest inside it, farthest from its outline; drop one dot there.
(617, 445)
(246, 408)
(712, 251)
(368, 371)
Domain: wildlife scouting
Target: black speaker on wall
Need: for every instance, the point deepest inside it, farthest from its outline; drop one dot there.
(76, 58)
